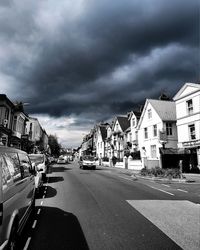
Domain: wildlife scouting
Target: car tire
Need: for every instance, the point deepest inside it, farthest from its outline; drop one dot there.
(13, 240)
(94, 168)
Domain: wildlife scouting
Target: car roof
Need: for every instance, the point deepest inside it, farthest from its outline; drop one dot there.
(11, 150)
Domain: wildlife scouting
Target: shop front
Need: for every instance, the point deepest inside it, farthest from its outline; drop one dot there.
(194, 148)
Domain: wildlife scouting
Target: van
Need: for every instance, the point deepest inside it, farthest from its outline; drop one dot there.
(17, 195)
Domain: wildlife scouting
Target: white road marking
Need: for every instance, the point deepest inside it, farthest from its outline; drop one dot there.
(182, 190)
(166, 185)
(176, 218)
(162, 190)
(34, 223)
(41, 203)
(39, 210)
(43, 197)
(27, 243)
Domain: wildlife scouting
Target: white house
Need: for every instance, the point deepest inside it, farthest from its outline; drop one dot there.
(188, 120)
(134, 118)
(108, 142)
(101, 137)
(156, 129)
(120, 125)
(34, 129)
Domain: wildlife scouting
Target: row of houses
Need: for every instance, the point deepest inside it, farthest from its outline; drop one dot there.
(163, 133)
(18, 129)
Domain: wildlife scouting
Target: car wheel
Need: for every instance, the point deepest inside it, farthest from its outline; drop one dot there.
(94, 168)
(13, 240)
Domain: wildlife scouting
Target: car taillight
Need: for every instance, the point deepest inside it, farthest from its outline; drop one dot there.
(1, 213)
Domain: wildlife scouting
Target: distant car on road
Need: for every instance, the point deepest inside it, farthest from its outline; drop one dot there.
(61, 160)
(41, 163)
(87, 161)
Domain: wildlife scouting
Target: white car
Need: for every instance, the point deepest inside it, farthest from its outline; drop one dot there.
(61, 160)
(40, 164)
(87, 161)
(38, 178)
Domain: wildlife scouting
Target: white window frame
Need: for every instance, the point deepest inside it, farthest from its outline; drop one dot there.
(192, 133)
(145, 133)
(153, 151)
(169, 128)
(149, 113)
(155, 130)
(189, 106)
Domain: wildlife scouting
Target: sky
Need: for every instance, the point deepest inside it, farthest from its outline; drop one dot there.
(81, 62)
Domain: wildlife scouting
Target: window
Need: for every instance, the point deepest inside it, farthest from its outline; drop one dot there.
(192, 132)
(12, 162)
(169, 128)
(25, 165)
(6, 175)
(145, 133)
(133, 122)
(149, 113)
(189, 106)
(15, 123)
(154, 130)
(153, 151)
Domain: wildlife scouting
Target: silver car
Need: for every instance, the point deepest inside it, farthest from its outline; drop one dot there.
(17, 194)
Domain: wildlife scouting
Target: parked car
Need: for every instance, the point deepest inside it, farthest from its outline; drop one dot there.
(61, 160)
(41, 164)
(38, 178)
(87, 161)
(17, 195)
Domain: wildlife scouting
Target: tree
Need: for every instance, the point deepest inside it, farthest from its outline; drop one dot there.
(54, 145)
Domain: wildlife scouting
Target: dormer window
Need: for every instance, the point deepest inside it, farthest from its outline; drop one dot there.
(149, 113)
(189, 106)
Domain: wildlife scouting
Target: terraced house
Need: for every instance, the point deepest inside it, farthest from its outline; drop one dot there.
(188, 125)
(156, 131)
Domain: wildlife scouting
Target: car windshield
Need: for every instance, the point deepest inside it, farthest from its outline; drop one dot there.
(88, 158)
(37, 159)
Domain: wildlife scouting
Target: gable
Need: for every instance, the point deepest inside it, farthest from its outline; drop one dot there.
(187, 89)
(145, 121)
(117, 126)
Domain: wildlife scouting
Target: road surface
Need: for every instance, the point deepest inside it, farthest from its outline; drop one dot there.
(106, 209)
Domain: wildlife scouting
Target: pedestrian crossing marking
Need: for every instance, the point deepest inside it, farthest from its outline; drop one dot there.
(179, 220)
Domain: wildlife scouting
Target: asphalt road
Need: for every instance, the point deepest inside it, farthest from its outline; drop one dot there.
(105, 209)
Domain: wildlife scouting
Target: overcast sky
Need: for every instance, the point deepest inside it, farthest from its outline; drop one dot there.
(84, 61)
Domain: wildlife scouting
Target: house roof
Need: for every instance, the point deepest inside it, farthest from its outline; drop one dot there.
(136, 113)
(165, 109)
(3, 97)
(123, 122)
(103, 132)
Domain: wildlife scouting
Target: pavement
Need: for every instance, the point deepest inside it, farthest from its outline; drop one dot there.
(189, 178)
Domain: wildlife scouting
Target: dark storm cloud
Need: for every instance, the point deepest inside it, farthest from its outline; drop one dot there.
(102, 57)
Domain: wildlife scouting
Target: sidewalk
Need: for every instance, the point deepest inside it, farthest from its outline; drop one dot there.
(193, 178)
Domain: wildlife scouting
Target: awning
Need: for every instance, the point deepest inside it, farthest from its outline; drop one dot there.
(176, 151)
